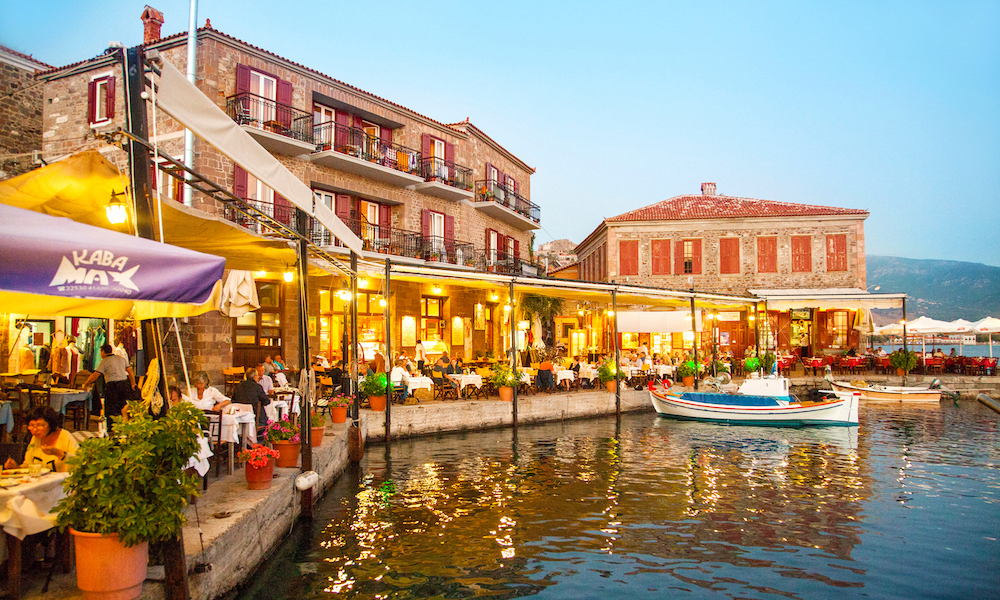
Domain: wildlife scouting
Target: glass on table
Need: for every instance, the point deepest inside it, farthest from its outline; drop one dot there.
(35, 470)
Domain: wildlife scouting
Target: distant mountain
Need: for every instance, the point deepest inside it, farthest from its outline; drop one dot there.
(940, 289)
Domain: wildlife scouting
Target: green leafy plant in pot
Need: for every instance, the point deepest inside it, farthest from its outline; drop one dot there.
(504, 379)
(903, 360)
(606, 373)
(767, 362)
(686, 372)
(128, 490)
(373, 387)
(751, 364)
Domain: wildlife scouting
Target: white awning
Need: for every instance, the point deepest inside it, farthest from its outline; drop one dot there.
(827, 299)
(672, 321)
(187, 104)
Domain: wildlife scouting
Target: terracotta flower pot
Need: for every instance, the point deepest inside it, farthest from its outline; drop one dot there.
(688, 381)
(108, 570)
(900, 372)
(316, 436)
(338, 414)
(260, 478)
(506, 393)
(377, 403)
(288, 453)
(610, 385)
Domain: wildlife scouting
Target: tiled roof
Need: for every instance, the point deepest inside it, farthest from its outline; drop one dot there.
(701, 206)
(24, 56)
(467, 123)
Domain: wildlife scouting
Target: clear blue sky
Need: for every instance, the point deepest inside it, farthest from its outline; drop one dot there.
(893, 107)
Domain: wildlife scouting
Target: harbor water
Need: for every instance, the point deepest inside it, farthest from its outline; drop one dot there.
(906, 505)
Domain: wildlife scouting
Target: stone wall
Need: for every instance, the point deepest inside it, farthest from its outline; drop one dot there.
(20, 119)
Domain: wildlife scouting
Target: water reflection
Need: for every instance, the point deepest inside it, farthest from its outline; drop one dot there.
(587, 509)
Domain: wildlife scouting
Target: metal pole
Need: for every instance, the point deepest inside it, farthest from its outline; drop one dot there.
(175, 568)
(305, 424)
(694, 340)
(618, 358)
(513, 357)
(354, 336)
(756, 329)
(192, 52)
(715, 347)
(905, 352)
(388, 354)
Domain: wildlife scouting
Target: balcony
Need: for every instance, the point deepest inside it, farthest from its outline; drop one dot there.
(445, 179)
(374, 238)
(352, 150)
(277, 127)
(501, 202)
(283, 213)
(453, 252)
(503, 264)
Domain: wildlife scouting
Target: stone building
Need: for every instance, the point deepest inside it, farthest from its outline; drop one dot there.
(20, 112)
(733, 245)
(419, 190)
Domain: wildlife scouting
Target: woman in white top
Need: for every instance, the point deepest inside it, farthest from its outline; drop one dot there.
(207, 397)
(399, 376)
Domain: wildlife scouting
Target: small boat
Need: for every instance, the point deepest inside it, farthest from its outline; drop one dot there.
(888, 392)
(758, 401)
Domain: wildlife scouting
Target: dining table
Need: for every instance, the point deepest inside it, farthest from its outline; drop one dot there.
(416, 383)
(7, 415)
(59, 398)
(466, 379)
(565, 375)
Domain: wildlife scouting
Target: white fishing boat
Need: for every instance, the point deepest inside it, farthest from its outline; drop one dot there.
(888, 392)
(758, 401)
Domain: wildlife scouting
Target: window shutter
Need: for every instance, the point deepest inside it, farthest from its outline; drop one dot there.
(283, 97)
(801, 254)
(767, 255)
(449, 153)
(660, 255)
(385, 134)
(425, 154)
(92, 102)
(283, 209)
(517, 250)
(679, 257)
(384, 218)
(449, 235)
(342, 135)
(356, 210)
(628, 257)
(487, 244)
(696, 257)
(517, 187)
(425, 223)
(110, 97)
(489, 169)
(358, 122)
(343, 208)
(242, 79)
(239, 182)
(836, 252)
(729, 255)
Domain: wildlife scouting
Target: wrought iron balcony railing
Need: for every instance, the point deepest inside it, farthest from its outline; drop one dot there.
(493, 191)
(374, 238)
(355, 142)
(447, 172)
(455, 252)
(283, 213)
(261, 113)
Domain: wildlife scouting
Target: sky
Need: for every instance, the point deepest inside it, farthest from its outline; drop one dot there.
(892, 107)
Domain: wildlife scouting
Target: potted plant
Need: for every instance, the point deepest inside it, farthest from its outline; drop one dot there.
(259, 462)
(284, 437)
(686, 371)
(317, 424)
(504, 379)
(606, 373)
(127, 490)
(903, 361)
(339, 405)
(373, 387)
(720, 367)
(751, 364)
(767, 363)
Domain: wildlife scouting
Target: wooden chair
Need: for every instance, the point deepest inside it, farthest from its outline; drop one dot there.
(445, 391)
(214, 435)
(80, 378)
(233, 377)
(77, 412)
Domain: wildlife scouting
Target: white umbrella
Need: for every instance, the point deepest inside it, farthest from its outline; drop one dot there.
(961, 326)
(988, 325)
(239, 295)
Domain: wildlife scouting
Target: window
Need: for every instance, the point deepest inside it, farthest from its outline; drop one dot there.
(262, 327)
(767, 255)
(263, 110)
(628, 257)
(323, 115)
(836, 252)
(660, 255)
(372, 139)
(439, 169)
(436, 232)
(321, 235)
(801, 254)
(729, 256)
(101, 99)
(431, 318)
(169, 187)
(687, 257)
(837, 329)
(261, 197)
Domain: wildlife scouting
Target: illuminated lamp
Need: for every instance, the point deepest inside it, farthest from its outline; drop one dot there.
(116, 211)
(288, 276)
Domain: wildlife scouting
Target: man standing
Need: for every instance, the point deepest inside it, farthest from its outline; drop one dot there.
(250, 392)
(421, 357)
(118, 380)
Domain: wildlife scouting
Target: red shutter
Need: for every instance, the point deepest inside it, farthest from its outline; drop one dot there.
(449, 154)
(283, 209)
(517, 249)
(343, 208)
(836, 252)
(358, 122)
(239, 182)
(628, 257)
(425, 154)
(660, 254)
(343, 123)
(729, 255)
(384, 218)
(679, 257)
(92, 101)
(425, 223)
(283, 97)
(110, 97)
(242, 79)
(517, 187)
(449, 236)
(696, 257)
(356, 210)
(385, 134)
(767, 255)
(801, 254)
(487, 244)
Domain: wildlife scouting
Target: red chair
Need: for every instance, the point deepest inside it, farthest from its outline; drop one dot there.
(990, 366)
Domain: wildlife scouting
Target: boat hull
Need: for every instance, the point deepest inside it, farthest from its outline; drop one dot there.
(842, 411)
(898, 394)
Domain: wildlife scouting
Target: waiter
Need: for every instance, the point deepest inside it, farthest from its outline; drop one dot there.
(118, 379)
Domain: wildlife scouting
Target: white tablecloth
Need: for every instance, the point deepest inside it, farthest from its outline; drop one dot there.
(26, 508)
(271, 410)
(416, 383)
(663, 370)
(566, 375)
(464, 380)
(7, 416)
(60, 397)
(525, 378)
(234, 419)
(588, 372)
(200, 459)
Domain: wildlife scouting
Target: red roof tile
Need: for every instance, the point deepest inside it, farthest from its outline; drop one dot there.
(24, 56)
(699, 206)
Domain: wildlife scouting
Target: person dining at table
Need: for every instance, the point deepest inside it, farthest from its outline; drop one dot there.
(50, 444)
(279, 364)
(268, 364)
(206, 397)
(251, 393)
(546, 376)
(264, 379)
(400, 377)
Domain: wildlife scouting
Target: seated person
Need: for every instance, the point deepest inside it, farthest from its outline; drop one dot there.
(205, 396)
(575, 365)
(365, 369)
(249, 392)
(545, 380)
(174, 396)
(459, 367)
(268, 365)
(337, 375)
(938, 353)
(50, 444)
(264, 379)
(278, 363)
(321, 362)
(400, 377)
(378, 363)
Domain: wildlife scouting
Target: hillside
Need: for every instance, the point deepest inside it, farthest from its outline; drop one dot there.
(940, 289)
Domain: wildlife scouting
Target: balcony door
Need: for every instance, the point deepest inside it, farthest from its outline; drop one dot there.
(493, 246)
(262, 109)
(260, 197)
(440, 169)
(320, 233)
(372, 139)
(323, 115)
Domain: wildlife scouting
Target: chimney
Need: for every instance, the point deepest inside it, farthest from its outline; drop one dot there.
(708, 189)
(152, 19)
